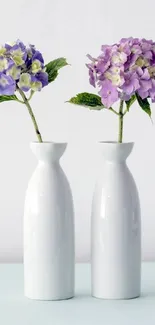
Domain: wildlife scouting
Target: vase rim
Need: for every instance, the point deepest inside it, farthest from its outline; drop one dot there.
(116, 143)
(48, 142)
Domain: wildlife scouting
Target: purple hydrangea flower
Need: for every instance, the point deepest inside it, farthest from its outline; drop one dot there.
(131, 83)
(109, 93)
(152, 91)
(124, 69)
(91, 77)
(145, 83)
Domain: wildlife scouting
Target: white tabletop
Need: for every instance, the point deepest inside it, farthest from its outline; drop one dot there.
(15, 309)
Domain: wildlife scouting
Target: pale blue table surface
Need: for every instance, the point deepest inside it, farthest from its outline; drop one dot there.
(15, 309)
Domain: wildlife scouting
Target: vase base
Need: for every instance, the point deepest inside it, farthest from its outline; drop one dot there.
(116, 297)
(49, 298)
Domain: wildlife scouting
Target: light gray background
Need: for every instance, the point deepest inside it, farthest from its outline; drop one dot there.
(72, 29)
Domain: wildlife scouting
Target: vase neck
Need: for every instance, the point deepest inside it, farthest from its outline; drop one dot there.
(48, 151)
(116, 152)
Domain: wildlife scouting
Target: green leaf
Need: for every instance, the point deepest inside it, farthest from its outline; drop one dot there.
(91, 101)
(6, 98)
(130, 102)
(53, 67)
(144, 104)
(52, 75)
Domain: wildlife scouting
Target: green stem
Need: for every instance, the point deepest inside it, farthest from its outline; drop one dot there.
(20, 101)
(120, 134)
(125, 111)
(31, 95)
(112, 110)
(31, 115)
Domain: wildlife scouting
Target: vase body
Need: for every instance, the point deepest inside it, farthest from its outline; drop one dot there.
(48, 228)
(116, 228)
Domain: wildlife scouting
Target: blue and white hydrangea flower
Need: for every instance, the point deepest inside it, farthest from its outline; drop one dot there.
(3, 64)
(7, 84)
(22, 70)
(21, 67)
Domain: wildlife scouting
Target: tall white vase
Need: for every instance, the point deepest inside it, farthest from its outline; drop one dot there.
(48, 228)
(116, 228)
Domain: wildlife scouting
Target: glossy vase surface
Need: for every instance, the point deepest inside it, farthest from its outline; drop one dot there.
(48, 228)
(116, 227)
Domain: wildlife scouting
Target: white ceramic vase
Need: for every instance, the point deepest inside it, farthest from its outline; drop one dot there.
(116, 228)
(48, 228)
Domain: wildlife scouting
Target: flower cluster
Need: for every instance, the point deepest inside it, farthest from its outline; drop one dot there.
(124, 69)
(21, 67)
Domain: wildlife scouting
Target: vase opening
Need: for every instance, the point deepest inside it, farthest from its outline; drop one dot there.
(48, 151)
(115, 151)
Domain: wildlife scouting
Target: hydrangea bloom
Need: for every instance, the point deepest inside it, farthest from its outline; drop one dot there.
(123, 69)
(21, 67)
